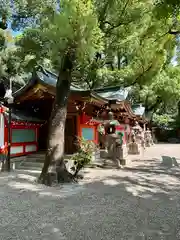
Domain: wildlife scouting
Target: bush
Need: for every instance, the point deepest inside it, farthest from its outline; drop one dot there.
(84, 155)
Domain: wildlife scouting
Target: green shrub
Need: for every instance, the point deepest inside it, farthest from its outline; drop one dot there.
(84, 155)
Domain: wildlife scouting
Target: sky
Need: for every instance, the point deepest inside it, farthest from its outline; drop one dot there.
(15, 33)
(174, 62)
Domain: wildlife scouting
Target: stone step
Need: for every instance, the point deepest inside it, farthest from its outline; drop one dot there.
(38, 153)
(33, 164)
(36, 156)
(29, 165)
(18, 159)
(34, 159)
(43, 155)
(19, 167)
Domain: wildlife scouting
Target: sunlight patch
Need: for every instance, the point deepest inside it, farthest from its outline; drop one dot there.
(146, 191)
(65, 191)
(27, 177)
(26, 186)
(111, 182)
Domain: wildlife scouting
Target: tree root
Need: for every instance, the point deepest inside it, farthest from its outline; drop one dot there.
(64, 176)
(60, 177)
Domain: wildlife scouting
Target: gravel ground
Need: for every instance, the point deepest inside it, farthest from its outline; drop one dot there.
(138, 202)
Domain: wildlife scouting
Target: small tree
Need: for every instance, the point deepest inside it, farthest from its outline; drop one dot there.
(70, 33)
(84, 155)
(67, 34)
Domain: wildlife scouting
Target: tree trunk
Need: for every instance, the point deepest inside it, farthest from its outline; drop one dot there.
(119, 60)
(54, 161)
(178, 105)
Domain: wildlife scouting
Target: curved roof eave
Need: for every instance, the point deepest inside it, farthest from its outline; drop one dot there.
(98, 97)
(138, 109)
(128, 108)
(47, 78)
(26, 87)
(118, 93)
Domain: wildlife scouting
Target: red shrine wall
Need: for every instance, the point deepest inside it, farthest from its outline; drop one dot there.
(87, 129)
(24, 136)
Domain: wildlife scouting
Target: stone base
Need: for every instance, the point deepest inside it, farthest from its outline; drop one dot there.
(103, 153)
(96, 158)
(123, 162)
(148, 144)
(134, 149)
(125, 151)
(108, 160)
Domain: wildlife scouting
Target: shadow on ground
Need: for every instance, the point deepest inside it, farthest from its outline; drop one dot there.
(139, 202)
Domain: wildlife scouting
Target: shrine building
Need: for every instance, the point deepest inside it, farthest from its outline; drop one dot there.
(86, 110)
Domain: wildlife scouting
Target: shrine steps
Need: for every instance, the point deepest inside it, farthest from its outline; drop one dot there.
(34, 161)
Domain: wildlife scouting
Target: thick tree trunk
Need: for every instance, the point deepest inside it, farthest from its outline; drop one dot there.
(54, 165)
(178, 105)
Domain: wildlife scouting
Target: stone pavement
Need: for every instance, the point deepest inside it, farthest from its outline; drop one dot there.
(138, 202)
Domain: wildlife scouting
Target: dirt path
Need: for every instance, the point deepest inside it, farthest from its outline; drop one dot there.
(138, 202)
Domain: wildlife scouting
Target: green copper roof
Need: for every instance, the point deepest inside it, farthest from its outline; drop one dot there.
(138, 109)
(109, 93)
(50, 78)
(105, 94)
(47, 78)
(21, 116)
(113, 93)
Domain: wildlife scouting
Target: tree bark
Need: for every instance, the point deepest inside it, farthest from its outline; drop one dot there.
(54, 161)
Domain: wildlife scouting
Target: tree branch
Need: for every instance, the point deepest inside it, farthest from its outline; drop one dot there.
(174, 32)
(163, 35)
(155, 105)
(113, 26)
(102, 15)
(124, 9)
(138, 77)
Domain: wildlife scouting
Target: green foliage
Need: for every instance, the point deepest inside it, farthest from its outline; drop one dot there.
(135, 40)
(10, 64)
(166, 8)
(176, 122)
(138, 45)
(84, 155)
(74, 28)
(162, 94)
(164, 120)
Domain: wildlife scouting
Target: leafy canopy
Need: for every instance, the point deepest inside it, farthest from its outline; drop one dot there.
(11, 66)
(50, 30)
(135, 41)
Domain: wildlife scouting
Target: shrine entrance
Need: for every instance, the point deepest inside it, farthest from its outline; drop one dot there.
(43, 137)
(70, 135)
